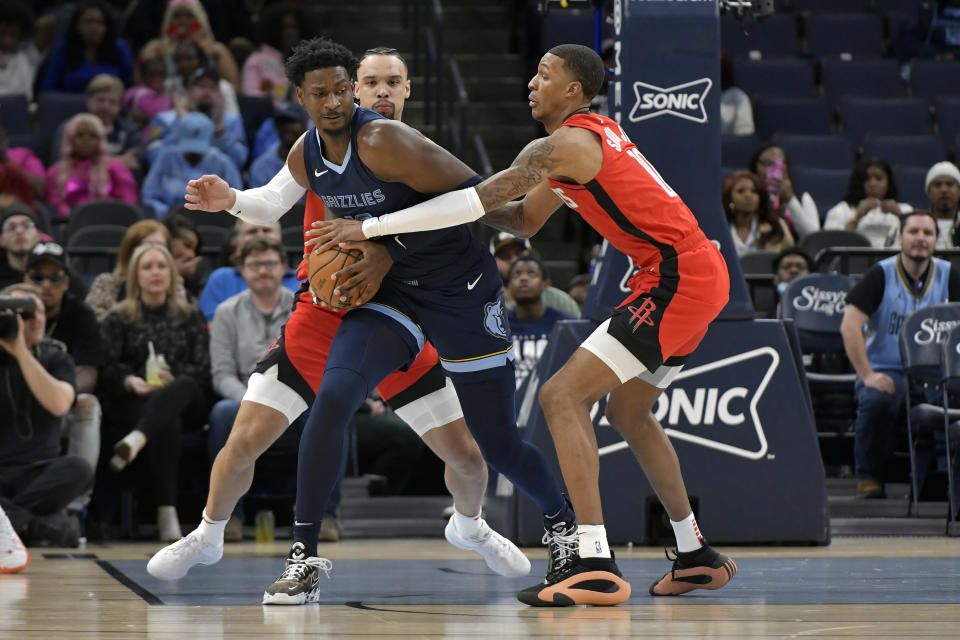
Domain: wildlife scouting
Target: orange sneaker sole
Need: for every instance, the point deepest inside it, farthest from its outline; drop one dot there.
(719, 577)
(572, 591)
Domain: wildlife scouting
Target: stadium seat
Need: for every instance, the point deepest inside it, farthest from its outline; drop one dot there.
(15, 115)
(826, 238)
(254, 110)
(93, 248)
(212, 236)
(775, 78)
(835, 34)
(735, 151)
(860, 79)
(103, 212)
(930, 79)
(845, 6)
(776, 36)
(827, 186)
(919, 151)
(818, 152)
(758, 262)
(911, 185)
(792, 115)
(54, 108)
(892, 116)
(948, 118)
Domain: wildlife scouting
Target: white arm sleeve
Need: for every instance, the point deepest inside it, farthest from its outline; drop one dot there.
(267, 204)
(447, 210)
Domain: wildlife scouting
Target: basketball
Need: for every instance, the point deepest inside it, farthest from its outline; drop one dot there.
(322, 266)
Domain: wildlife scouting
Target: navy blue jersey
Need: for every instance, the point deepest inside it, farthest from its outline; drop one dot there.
(352, 191)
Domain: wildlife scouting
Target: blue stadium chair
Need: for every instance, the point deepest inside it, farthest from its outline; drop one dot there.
(726, 172)
(911, 185)
(835, 34)
(735, 151)
(818, 152)
(54, 108)
(891, 116)
(845, 6)
(930, 79)
(254, 110)
(860, 79)
(817, 318)
(827, 186)
(778, 78)
(15, 115)
(793, 115)
(776, 36)
(919, 151)
(948, 119)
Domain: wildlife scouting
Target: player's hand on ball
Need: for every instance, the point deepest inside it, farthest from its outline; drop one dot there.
(209, 193)
(366, 274)
(327, 234)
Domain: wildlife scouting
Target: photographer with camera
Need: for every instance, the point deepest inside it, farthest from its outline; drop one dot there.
(37, 379)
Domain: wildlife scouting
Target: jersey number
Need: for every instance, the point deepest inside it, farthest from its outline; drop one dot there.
(567, 200)
(617, 142)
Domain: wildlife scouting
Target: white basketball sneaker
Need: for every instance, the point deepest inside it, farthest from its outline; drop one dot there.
(501, 555)
(14, 556)
(174, 560)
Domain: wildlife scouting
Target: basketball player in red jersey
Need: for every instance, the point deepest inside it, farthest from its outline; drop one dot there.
(287, 380)
(588, 163)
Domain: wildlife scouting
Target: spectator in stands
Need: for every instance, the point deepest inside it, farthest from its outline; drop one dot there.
(203, 95)
(104, 97)
(19, 55)
(889, 292)
(20, 227)
(187, 20)
(288, 120)
(736, 112)
(506, 248)
(933, 33)
(71, 322)
(36, 482)
(770, 162)
(145, 100)
(267, 136)
(85, 171)
(244, 327)
(185, 245)
(190, 156)
(790, 264)
(870, 205)
(280, 28)
(753, 224)
(228, 281)
(531, 321)
(19, 180)
(943, 189)
(110, 288)
(90, 47)
(578, 287)
(155, 406)
(188, 57)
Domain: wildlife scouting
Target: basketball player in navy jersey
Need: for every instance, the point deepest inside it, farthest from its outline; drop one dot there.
(588, 163)
(442, 285)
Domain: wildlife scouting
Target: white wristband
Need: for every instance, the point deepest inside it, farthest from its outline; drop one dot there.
(447, 210)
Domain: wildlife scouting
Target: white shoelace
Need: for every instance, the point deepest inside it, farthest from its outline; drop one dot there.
(296, 569)
(565, 546)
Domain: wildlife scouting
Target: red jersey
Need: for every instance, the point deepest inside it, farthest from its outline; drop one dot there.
(628, 202)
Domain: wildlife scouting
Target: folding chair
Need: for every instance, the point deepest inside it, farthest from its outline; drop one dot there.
(820, 240)
(921, 337)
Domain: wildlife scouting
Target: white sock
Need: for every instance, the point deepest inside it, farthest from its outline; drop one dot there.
(593, 541)
(136, 439)
(688, 534)
(210, 530)
(467, 526)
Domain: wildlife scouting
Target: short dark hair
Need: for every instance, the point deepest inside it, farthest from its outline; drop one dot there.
(259, 245)
(528, 257)
(585, 65)
(318, 53)
(180, 221)
(792, 251)
(384, 51)
(920, 212)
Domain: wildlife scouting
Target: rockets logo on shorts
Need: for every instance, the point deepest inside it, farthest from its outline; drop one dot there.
(640, 314)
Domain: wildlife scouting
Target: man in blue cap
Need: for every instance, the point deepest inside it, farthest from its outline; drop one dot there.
(289, 121)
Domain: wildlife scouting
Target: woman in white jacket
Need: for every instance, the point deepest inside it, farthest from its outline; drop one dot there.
(770, 162)
(870, 205)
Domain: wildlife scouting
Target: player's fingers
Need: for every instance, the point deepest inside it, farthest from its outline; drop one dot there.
(190, 197)
(355, 281)
(314, 232)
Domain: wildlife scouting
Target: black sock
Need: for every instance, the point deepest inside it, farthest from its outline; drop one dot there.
(304, 541)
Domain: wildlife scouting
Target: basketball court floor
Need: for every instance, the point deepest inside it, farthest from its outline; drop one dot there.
(871, 588)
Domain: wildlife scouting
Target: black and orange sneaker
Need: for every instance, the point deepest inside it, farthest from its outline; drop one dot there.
(700, 569)
(592, 581)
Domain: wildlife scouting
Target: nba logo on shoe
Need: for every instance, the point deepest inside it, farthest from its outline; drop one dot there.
(640, 314)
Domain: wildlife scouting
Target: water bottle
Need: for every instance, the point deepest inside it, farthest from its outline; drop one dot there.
(154, 366)
(264, 525)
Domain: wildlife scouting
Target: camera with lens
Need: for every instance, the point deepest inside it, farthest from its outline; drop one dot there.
(10, 306)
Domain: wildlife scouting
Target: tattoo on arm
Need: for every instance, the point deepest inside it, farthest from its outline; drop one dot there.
(507, 218)
(534, 165)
